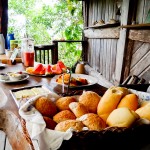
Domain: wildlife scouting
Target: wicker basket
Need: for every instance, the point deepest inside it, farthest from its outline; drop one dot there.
(135, 138)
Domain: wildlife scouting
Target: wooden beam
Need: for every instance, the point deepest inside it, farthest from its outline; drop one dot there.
(110, 33)
(128, 59)
(122, 42)
(4, 23)
(140, 35)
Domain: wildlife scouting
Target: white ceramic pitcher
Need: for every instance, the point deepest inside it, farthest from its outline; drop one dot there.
(2, 44)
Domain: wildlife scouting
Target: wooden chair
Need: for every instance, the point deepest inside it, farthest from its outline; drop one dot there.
(46, 54)
(84, 44)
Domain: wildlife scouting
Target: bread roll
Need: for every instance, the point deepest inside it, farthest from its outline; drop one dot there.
(63, 102)
(109, 102)
(93, 121)
(78, 109)
(65, 125)
(144, 111)
(45, 106)
(64, 115)
(123, 89)
(122, 117)
(90, 100)
(130, 101)
(50, 123)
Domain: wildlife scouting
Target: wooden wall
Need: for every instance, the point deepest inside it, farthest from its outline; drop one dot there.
(115, 52)
(102, 49)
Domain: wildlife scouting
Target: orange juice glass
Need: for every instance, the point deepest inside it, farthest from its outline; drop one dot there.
(29, 59)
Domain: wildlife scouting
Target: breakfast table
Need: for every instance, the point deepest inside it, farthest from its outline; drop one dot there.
(9, 110)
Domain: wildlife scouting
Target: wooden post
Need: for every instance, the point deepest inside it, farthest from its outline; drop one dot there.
(55, 52)
(126, 18)
(4, 21)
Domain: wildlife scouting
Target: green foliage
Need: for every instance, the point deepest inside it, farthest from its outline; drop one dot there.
(45, 23)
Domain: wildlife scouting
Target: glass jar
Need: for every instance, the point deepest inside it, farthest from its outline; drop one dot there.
(27, 52)
(80, 68)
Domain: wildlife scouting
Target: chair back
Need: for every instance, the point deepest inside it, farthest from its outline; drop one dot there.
(46, 54)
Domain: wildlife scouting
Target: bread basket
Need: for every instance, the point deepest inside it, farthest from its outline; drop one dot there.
(135, 138)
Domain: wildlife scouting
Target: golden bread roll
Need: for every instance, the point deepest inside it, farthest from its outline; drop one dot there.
(123, 89)
(122, 117)
(143, 103)
(78, 109)
(64, 115)
(130, 101)
(93, 121)
(109, 102)
(65, 125)
(144, 111)
(50, 123)
(90, 100)
(63, 102)
(45, 106)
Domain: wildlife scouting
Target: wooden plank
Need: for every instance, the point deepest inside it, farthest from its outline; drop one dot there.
(146, 9)
(140, 8)
(137, 45)
(137, 26)
(141, 65)
(122, 43)
(110, 33)
(128, 59)
(2, 140)
(139, 54)
(140, 35)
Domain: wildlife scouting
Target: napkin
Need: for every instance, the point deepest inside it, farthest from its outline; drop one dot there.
(45, 139)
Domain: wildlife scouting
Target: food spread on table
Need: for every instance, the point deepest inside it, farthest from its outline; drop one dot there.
(47, 70)
(12, 76)
(28, 93)
(68, 79)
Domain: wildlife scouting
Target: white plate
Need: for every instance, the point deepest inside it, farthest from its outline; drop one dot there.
(10, 81)
(2, 65)
(91, 80)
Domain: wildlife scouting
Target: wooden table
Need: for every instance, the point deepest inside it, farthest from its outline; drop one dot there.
(32, 81)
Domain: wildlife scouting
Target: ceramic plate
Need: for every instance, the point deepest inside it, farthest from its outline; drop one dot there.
(10, 81)
(91, 80)
(2, 65)
(39, 75)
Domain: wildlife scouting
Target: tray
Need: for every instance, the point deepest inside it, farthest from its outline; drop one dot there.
(20, 101)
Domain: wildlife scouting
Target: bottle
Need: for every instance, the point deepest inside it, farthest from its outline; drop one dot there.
(2, 44)
(10, 36)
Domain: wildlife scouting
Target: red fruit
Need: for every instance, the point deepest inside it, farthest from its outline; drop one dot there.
(62, 65)
(43, 71)
(56, 69)
(48, 70)
(38, 68)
